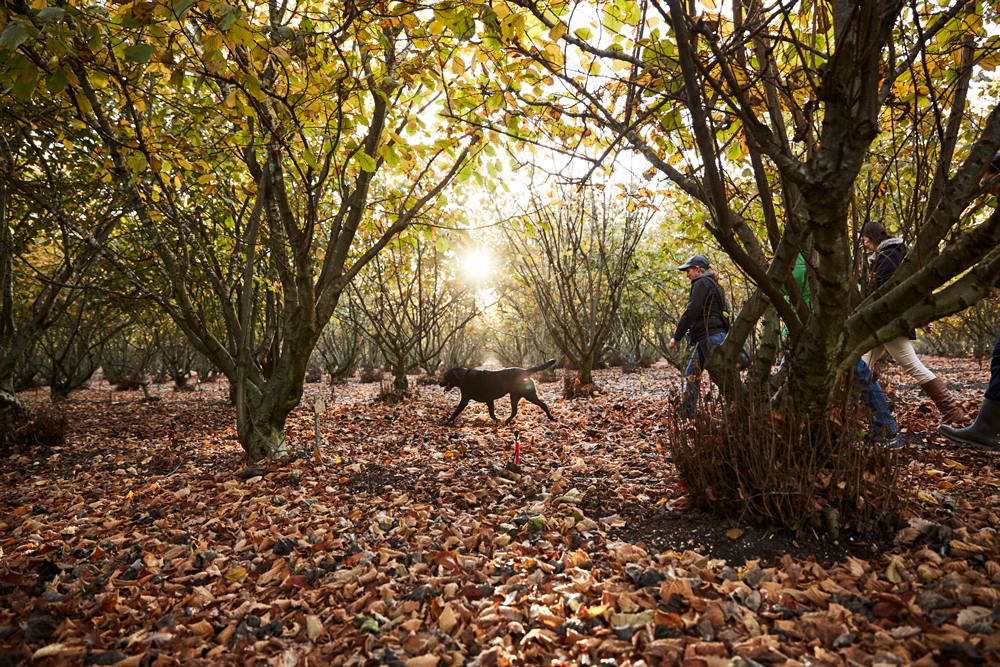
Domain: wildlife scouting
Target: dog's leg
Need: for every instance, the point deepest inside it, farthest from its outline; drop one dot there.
(493, 415)
(461, 406)
(533, 397)
(514, 400)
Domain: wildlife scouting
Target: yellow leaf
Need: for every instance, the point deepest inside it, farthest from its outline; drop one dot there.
(926, 497)
(709, 4)
(314, 627)
(954, 464)
(596, 610)
(892, 572)
(47, 652)
(945, 485)
(558, 30)
(448, 619)
(734, 533)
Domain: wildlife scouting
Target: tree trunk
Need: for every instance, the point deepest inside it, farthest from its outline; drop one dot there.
(11, 407)
(260, 428)
(399, 381)
(265, 440)
(586, 376)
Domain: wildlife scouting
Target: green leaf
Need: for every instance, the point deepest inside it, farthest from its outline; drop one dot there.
(366, 161)
(13, 36)
(310, 159)
(495, 102)
(57, 82)
(137, 163)
(51, 13)
(368, 624)
(181, 7)
(228, 19)
(391, 157)
(139, 53)
(464, 26)
(441, 244)
(22, 90)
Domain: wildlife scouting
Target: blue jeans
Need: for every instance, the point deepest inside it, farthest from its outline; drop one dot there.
(695, 367)
(993, 391)
(872, 397)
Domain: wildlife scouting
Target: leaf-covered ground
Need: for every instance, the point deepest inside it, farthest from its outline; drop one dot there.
(406, 542)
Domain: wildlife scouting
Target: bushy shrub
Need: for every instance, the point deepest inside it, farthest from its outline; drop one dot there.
(754, 463)
(388, 394)
(572, 388)
(132, 382)
(428, 380)
(41, 429)
(369, 375)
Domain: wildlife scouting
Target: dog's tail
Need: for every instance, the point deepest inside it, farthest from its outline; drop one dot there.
(542, 367)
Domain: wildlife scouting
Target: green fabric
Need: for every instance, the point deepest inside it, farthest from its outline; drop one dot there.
(799, 274)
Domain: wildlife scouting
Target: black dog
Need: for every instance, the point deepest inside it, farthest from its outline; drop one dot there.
(487, 386)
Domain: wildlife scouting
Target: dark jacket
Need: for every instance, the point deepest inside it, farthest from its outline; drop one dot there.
(703, 315)
(886, 259)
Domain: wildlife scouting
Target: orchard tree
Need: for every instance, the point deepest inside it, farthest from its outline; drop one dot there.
(339, 348)
(574, 254)
(413, 303)
(43, 259)
(175, 355)
(245, 142)
(72, 348)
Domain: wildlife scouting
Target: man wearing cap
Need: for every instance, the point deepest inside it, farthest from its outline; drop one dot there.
(985, 431)
(703, 322)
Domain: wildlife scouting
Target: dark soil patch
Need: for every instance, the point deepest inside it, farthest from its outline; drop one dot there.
(374, 479)
(705, 534)
(662, 530)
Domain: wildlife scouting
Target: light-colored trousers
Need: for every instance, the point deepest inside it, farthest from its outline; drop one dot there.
(901, 349)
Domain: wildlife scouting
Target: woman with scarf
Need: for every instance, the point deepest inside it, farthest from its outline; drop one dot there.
(885, 255)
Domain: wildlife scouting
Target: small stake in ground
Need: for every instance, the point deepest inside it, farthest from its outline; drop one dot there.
(517, 448)
(318, 407)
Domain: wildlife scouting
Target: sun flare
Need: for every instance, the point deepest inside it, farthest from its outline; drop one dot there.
(477, 265)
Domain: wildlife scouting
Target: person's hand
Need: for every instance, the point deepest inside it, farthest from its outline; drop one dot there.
(994, 292)
(672, 344)
(927, 328)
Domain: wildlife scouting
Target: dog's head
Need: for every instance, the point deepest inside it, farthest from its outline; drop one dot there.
(453, 378)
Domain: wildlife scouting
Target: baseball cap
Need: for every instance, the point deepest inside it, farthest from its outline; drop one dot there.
(696, 261)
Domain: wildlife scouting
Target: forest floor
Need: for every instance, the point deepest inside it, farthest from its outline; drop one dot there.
(404, 542)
